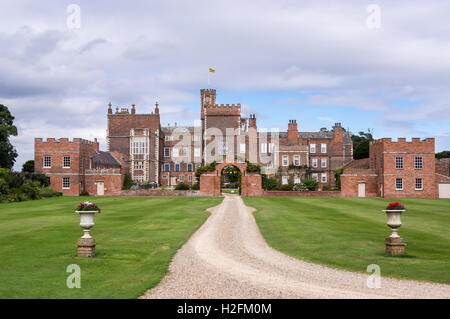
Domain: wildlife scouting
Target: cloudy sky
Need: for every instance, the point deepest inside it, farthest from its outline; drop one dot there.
(318, 62)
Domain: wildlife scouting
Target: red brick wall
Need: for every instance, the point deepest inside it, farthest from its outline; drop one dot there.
(251, 185)
(210, 185)
(301, 194)
(57, 149)
(443, 166)
(159, 192)
(352, 177)
(389, 150)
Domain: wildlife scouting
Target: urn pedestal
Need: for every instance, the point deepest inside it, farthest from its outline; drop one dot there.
(86, 244)
(395, 245)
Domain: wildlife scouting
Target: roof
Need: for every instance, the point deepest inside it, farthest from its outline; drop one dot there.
(328, 134)
(170, 129)
(105, 158)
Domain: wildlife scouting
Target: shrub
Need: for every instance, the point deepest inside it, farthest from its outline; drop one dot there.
(300, 187)
(49, 192)
(286, 187)
(311, 184)
(182, 187)
(269, 183)
(127, 182)
(30, 190)
(253, 168)
(203, 169)
(337, 177)
(43, 179)
(4, 187)
(195, 186)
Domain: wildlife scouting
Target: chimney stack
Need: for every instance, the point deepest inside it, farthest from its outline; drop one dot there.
(292, 132)
(156, 108)
(252, 121)
(109, 108)
(133, 109)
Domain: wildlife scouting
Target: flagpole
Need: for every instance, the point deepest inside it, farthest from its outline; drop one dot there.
(208, 77)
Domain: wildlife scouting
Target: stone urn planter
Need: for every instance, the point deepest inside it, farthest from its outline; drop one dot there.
(86, 244)
(395, 245)
(87, 222)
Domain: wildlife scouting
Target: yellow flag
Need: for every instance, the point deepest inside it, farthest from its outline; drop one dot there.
(212, 70)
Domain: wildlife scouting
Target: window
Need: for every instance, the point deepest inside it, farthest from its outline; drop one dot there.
(381, 161)
(312, 148)
(323, 162)
(323, 148)
(189, 167)
(139, 178)
(197, 151)
(315, 176)
(166, 152)
(166, 167)
(314, 162)
(263, 148)
(284, 180)
(190, 178)
(177, 167)
(419, 184)
(66, 161)
(270, 147)
(139, 145)
(66, 183)
(418, 162)
(375, 161)
(169, 138)
(242, 148)
(181, 178)
(324, 178)
(285, 160)
(184, 151)
(399, 184)
(296, 160)
(223, 148)
(175, 152)
(138, 165)
(296, 180)
(195, 138)
(399, 162)
(47, 161)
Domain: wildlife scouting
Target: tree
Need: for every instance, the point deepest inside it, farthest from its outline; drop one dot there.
(361, 144)
(127, 182)
(28, 167)
(443, 154)
(8, 153)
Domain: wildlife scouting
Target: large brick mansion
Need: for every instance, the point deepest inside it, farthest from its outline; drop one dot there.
(138, 145)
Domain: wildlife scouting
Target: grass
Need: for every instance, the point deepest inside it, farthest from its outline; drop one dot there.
(349, 233)
(136, 240)
(230, 190)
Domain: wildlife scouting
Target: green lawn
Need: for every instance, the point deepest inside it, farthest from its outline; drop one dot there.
(136, 240)
(349, 233)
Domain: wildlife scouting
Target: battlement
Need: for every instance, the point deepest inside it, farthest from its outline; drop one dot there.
(223, 109)
(64, 140)
(402, 140)
(224, 105)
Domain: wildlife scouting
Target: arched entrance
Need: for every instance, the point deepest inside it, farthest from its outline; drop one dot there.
(210, 182)
(230, 180)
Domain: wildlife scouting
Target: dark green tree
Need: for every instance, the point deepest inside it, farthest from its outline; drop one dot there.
(127, 182)
(361, 144)
(443, 154)
(28, 167)
(8, 153)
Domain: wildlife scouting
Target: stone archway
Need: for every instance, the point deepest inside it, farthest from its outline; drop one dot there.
(251, 183)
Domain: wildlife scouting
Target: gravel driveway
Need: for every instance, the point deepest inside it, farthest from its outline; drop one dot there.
(228, 258)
